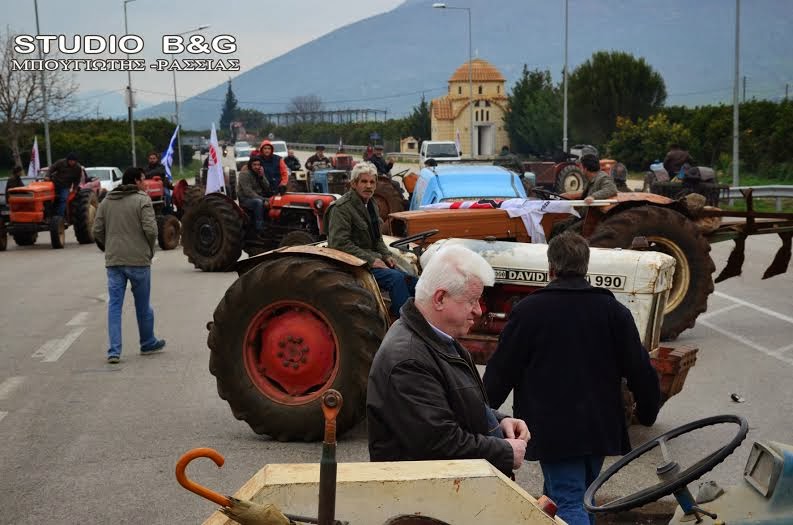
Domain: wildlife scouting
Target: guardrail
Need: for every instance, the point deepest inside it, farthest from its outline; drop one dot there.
(777, 192)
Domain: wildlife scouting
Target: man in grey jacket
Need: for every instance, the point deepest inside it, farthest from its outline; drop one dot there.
(125, 229)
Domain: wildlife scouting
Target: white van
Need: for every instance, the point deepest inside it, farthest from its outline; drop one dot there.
(279, 148)
(440, 150)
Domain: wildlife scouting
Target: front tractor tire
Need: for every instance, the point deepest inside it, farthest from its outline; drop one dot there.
(286, 332)
(570, 179)
(57, 232)
(212, 232)
(168, 231)
(83, 211)
(672, 233)
(3, 236)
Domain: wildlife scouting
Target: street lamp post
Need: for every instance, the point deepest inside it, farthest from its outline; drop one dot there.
(564, 118)
(440, 5)
(735, 127)
(130, 99)
(43, 93)
(176, 100)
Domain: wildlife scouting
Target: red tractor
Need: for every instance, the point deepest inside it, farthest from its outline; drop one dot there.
(217, 230)
(32, 210)
(168, 226)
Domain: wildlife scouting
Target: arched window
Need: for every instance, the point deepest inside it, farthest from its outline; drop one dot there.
(487, 113)
(487, 103)
(480, 90)
(498, 89)
(459, 90)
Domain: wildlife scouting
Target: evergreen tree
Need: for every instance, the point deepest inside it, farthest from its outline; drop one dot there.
(418, 123)
(229, 112)
(534, 115)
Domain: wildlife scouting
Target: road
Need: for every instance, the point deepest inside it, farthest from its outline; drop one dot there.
(87, 442)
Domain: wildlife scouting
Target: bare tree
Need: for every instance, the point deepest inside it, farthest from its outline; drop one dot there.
(305, 107)
(21, 97)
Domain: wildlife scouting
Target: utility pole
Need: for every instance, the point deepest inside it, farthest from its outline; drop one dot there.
(564, 118)
(735, 129)
(43, 93)
(744, 89)
(130, 96)
(786, 89)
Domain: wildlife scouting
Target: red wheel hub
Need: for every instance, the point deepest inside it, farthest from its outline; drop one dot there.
(290, 352)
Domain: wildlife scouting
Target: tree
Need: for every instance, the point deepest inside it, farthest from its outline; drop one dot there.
(230, 110)
(638, 144)
(418, 124)
(21, 96)
(252, 119)
(305, 107)
(534, 116)
(610, 85)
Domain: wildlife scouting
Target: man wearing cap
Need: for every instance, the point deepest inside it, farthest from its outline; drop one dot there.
(318, 160)
(275, 170)
(65, 173)
(383, 166)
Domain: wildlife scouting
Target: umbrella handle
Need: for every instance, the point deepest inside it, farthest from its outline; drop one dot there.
(194, 487)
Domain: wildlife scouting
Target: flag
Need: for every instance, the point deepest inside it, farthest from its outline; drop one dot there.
(167, 157)
(457, 140)
(35, 161)
(341, 144)
(215, 180)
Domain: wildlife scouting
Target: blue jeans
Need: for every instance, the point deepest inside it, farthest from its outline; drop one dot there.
(61, 196)
(140, 279)
(400, 286)
(566, 482)
(256, 205)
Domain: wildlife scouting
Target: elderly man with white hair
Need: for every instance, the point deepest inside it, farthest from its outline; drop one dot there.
(425, 399)
(353, 226)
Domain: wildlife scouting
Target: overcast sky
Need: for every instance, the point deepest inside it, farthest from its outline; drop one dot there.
(263, 30)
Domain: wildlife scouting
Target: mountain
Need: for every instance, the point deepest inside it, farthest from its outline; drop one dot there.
(387, 61)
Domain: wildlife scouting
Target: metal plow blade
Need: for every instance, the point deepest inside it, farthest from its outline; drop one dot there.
(782, 258)
(735, 260)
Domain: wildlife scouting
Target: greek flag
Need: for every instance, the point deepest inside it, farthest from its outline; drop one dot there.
(167, 157)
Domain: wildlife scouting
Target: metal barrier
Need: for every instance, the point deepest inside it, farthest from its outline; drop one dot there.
(777, 192)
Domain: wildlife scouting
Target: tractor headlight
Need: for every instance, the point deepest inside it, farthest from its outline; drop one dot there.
(318, 204)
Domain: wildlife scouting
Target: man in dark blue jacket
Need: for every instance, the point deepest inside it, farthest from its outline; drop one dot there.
(564, 352)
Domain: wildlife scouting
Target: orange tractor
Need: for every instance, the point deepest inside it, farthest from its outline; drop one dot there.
(32, 210)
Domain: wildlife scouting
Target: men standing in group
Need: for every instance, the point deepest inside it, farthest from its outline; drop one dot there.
(275, 170)
(353, 225)
(318, 160)
(253, 190)
(383, 166)
(425, 399)
(66, 174)
(568, 383)
(126, 230)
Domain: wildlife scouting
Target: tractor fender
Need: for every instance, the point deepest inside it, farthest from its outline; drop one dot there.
(629, 200)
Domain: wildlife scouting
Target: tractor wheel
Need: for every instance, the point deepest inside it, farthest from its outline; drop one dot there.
(168, 231)
(212, 234)
(83, 212)
(570, 179)
(232, 184)
(284, 333)
(674, 234)
(192, 195)
(57, 232)
(297, 238)
(25, 238)
(389, 200)
(3, 236)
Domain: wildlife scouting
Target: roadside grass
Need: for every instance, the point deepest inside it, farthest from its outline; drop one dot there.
(189, 170)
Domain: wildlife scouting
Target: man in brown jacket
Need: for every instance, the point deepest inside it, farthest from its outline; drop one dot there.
(125, 229)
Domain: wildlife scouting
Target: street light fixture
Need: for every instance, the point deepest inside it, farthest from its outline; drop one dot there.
(130, 99)
(441, 5)
(176, 102)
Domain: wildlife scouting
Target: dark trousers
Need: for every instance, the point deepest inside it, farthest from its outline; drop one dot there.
(400, 286)
(61, 197)
(566, 481)
(256, 205)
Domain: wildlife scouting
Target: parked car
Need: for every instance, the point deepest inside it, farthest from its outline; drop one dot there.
(440, 150)
(465, 182)
(108, 177)
(242, 155)
(279, 148)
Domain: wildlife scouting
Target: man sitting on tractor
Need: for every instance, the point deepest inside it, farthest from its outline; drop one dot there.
(676, 161)
(318, 160)
(154, 168)
(65, 173)
(275, 170)
(598, 183)
(292, 162)
(353, 225)
(253, 190)
(383, 166)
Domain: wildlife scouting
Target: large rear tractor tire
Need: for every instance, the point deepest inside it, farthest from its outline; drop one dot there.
(169, 230)
(25, 238)
(57, 232)
(212, 232)
(284, 333)
(297, 238)
(674, 234)
(192, 196)
(389, 200)
(570, 179)
(83, 213)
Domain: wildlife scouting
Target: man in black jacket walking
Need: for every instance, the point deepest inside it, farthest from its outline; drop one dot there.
(564, 351)
(425, 399)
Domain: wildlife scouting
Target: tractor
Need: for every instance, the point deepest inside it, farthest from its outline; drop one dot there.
(32, 210)
(300, 320)
(168, 225)
(216, 230)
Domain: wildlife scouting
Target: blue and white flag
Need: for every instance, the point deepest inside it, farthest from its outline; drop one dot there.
(167, 157)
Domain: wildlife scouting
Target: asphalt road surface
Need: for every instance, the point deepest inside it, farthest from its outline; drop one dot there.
(87, 442)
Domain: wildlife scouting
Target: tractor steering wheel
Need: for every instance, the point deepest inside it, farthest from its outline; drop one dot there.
(676, 481)
(547, 195)
(419, 238)
(400, 173)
